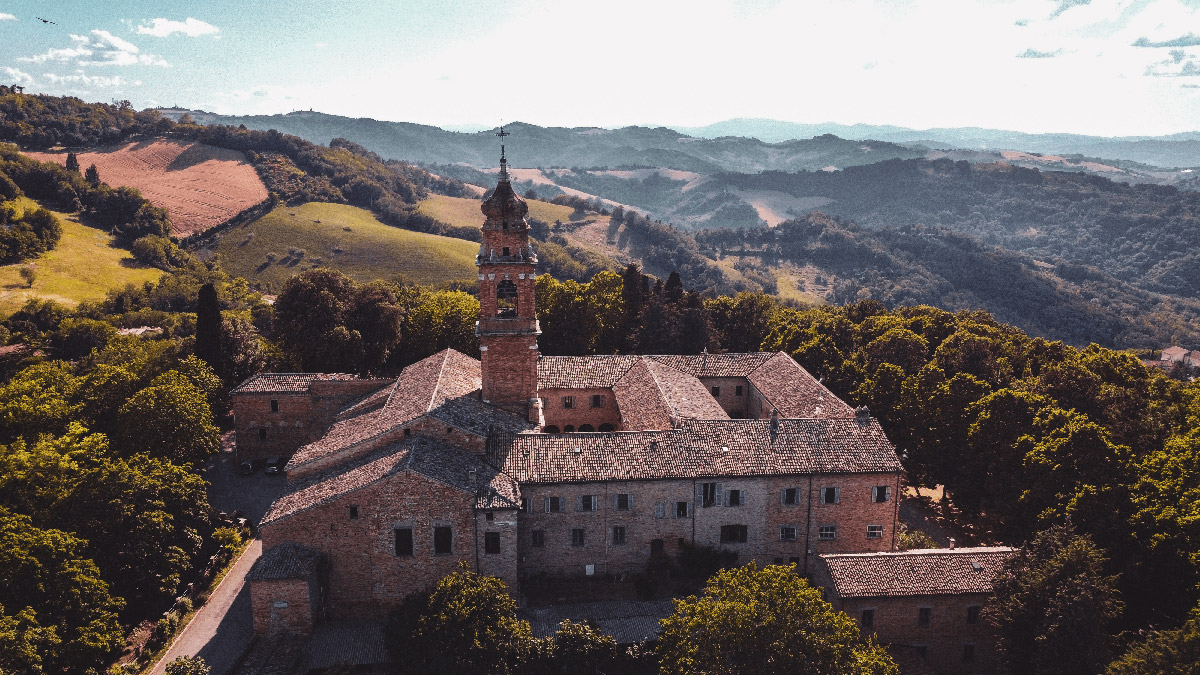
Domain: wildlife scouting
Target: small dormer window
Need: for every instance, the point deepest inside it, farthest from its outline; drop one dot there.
(506, 253)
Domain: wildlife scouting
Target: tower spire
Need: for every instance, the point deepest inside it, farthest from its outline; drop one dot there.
(503, 162)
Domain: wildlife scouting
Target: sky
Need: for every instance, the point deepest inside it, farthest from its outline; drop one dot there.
(1103, 67)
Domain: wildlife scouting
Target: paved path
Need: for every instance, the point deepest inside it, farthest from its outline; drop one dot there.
(222, 629)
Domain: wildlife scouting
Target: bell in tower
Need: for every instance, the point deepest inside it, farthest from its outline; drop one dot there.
(508, 325)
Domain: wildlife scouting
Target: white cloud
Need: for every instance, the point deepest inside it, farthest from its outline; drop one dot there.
(100, 48)
(1035, 54)
(17, 76)
(7, 17)
(86, 80)
(166, 27)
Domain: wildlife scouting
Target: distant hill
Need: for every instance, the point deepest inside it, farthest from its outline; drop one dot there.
(1177, 150)
(531, 145)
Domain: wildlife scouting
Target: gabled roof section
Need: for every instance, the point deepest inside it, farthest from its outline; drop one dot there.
(285, 383)
(919, 572)
(582, 372)
(420, 387)
(794, 392)
(285, 561)
(716, 365)
(652, 395)
(420, 455)
(372, 401)
(700, 448)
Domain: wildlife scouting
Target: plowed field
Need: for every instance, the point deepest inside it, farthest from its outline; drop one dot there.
(201, 186)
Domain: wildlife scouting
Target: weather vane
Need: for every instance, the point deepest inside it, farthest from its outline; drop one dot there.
(503, 162)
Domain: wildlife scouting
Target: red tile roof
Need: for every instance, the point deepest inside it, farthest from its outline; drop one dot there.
(716, 365)
(794, 392)
(285, 561)
(285, 382)
(699, 448)
(582, 372)
(920, 572)
(420, 454)
(652, 395)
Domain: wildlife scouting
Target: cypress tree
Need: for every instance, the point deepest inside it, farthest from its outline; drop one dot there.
(208, 327)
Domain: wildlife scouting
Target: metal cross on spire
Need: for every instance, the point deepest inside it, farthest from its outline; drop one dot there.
(503, 162)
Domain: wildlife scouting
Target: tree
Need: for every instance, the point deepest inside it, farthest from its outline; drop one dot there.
(92, 175)
(764, 621)
(23, 642)
(185, 665)
(1053, 605)
(29, 274)
(208, 325)
(73, 162)
(1165, 652)
(467, 624)
(170, 419)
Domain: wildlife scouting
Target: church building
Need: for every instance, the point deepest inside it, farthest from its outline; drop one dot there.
(523, 465)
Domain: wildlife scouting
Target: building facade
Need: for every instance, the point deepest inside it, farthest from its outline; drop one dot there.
(521, 465)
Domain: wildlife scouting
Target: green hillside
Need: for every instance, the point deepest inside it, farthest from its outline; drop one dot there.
(292, 239)
(84, 266)
(465, 211)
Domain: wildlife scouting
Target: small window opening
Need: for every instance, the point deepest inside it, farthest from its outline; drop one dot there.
(539, 538)
(506, 299)
(868, 618)
(274, 405)
(354, 512)
(404, 541)
(924, 616)
(716, 391)
(506, 254)
(262, 433)
(442, 539)
(577, 536)
(491, 543)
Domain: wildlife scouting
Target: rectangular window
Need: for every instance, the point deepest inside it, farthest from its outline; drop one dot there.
(553, 504)
(924, 616)
(737, 391)
(618, 535)
(881, 493)
(354, 512)
(538, 538)
(968, 653)
(597, 400)
(973, 614)
(787, 533)
(568, 401)
(827, 532)
(622, 502)
(831, 495)
(525, 504)
(790, 497)
(489, 516)
(681, 509)
(874, 532)
(656, 547)
(262, 433)
(735, 497)
(577, 536)
(733, 534)
(868, 619)
(404, 542)
(442, 539)
(274, 405)
(716, 391)
(660, 510)
(708, 494)
(588, 502)
(491, 542)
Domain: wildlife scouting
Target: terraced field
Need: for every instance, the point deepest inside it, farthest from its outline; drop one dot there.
(84, 266)
(201, 186)
(292, 239)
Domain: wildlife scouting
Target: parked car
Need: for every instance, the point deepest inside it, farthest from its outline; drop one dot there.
(246, 468)
(274, 466)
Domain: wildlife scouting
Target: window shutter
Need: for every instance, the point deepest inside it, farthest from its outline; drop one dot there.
(699, 493)
(837, 495)
(783, 496)
(595, 503)
(579, 503)
(887, 494)
(614, 504)
(630, 501)
(720, 496)
(660, 510)
(547, 504)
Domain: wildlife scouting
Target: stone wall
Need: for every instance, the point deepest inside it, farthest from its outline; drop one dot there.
(276, 424)
(284, 605)
(736, 405)
(582, 412)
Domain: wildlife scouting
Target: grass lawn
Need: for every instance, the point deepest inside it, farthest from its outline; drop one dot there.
(345, 238)
(465, 210)
(84, 266)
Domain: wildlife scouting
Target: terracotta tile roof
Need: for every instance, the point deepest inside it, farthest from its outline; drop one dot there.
(372, 401)
(716, 365)
(920, 572)
(1174, 353)
(285, 382)
(652, 395)
(285, 561)
(342, 643)
(420, 387)
(582, 372)
(627, 621)
(699, 448)
(469, 414)
(794, 392)
(420, 454)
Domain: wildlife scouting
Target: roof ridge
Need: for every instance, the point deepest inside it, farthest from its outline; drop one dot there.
(437, 383)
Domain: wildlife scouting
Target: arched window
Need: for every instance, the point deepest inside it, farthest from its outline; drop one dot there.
(586, 428)
(606, 427)
(551, 429)
(570, 428)
(506, 299)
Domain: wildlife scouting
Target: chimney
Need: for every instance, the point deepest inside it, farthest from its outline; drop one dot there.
(774, 422)
(952, 542)
(862, 414)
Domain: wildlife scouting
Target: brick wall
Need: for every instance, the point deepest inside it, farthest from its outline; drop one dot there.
(284, 605)
(735, 405)
(761, 513)
(366, 577)
(582, 412)
(509, 368)
(297, 418)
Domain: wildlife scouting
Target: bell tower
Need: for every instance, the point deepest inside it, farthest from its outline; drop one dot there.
(508, 326)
